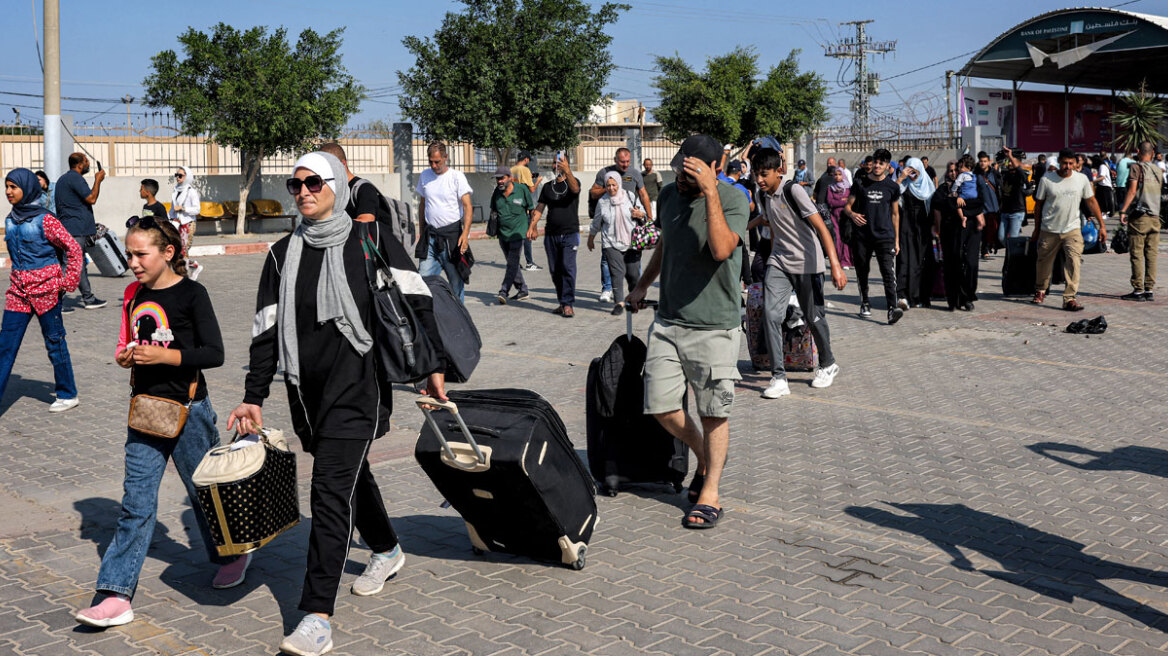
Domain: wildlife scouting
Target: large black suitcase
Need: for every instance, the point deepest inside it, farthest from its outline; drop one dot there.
(1019, 267)
(504, 461)
(624, 444)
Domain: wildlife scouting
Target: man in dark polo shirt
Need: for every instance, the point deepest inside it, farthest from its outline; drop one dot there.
(74, 200)
(511, 202)
(560, 200)
(696, 335)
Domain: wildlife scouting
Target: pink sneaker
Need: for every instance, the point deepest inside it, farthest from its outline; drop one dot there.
(231, 574)
(114, 610)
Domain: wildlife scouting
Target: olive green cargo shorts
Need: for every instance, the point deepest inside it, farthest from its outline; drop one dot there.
(680, 356)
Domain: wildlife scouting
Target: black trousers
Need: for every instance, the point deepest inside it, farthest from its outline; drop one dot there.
(915, 238)
(512, 276)
(863, 248)
(959, 248)
(344, 495)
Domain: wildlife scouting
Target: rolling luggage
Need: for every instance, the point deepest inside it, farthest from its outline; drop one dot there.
(1019, 267)
(799, 352)
(109, 254)
(624, 444)
(755, 326)
(503, 459)
(247, 491)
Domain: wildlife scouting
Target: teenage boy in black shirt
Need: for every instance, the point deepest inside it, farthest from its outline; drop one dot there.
(874, 210)
(147, 192)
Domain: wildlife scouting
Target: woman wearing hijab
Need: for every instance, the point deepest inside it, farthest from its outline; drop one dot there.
(837, 199)
(916, 190)
(184, 211)
(617, 212)
(37, 282)
(313, 316)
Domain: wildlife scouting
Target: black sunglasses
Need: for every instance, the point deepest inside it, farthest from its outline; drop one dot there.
(143, 222)
(314, 183)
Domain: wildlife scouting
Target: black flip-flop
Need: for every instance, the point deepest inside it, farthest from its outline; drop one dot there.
(708, 516)
(695, 487)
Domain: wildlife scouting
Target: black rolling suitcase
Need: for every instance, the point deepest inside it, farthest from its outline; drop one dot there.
(503, 459)
(624, 444)
(1018, 267)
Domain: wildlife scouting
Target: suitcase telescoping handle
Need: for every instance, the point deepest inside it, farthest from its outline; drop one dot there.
(629, 318)
(428, 404)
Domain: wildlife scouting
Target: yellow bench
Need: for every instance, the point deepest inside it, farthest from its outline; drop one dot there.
(211, 210)
(268, 208)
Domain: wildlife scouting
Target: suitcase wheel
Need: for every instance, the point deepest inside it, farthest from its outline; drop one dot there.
(610, 491)
(476, 551)
(677, 488)
(579, 564)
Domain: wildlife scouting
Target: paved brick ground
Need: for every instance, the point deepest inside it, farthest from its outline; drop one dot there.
(972, 484)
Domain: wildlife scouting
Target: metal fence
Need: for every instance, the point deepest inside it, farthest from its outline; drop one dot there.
(152, 145)
(894, 136)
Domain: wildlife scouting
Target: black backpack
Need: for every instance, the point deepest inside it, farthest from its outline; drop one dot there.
(394, 214)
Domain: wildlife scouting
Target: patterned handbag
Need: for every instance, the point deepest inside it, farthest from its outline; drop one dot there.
(247, 491)
(645, 236)
(154, 415)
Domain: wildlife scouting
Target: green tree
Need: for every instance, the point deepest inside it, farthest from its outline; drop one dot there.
(731, 102)
(1138, 121)
(251, 91)
(508, 73)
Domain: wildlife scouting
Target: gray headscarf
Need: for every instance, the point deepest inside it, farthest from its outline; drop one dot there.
(334, 299)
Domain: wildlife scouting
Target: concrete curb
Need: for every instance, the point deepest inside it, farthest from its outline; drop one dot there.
(477, 232)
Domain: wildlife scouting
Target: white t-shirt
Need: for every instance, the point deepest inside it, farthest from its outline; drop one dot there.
(1103, 176)
(443, 195)
(1061, 196)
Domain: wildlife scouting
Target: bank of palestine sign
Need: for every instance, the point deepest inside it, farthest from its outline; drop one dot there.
(1068, 38)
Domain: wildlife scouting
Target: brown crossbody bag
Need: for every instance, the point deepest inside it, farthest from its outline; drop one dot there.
(154, 415)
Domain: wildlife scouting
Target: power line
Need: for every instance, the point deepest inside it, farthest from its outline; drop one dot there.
(943, 61)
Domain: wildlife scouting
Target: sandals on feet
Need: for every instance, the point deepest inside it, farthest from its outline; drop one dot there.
(695, 487)
(702, 516)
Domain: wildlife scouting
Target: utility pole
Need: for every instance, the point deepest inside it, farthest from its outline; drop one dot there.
(866, 84)
(949, 105)
(54, 164)
(127, 99)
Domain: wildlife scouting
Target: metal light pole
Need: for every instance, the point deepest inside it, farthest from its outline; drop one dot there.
(54, 162)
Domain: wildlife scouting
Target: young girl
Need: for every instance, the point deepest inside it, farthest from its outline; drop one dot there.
(34, 237)
(169, 335)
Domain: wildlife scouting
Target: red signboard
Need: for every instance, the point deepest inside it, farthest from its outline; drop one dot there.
(1048, 121)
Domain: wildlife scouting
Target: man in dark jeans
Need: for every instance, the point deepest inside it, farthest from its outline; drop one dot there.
(74, 200)
(511, 203)
(874, 210)
(560, 199)
(959, 247)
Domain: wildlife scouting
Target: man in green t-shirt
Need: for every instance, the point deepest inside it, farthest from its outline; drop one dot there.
(695, 339)
(511, 203)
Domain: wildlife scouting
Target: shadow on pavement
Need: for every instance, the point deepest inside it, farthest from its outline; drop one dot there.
(188, 572)
(1141, 459)
(1042, 562)
(41, 390)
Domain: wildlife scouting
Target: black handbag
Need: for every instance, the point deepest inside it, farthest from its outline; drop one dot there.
(493, 224)
(404, 350)
(1120, 241)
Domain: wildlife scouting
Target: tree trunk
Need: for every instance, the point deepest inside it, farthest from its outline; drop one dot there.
(251, 169)
(502, 156)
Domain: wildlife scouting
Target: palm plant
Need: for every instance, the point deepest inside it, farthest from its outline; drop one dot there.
(1139, 121)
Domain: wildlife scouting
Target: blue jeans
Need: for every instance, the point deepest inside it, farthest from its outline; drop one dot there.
(1010, 225)
(561, 256)
(53, 329)
(146, 458)
(605, 274)
(527, 251)
(438, 260)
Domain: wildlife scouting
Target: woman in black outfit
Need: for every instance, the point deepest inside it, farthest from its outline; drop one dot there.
(314, 316)
(959, 247)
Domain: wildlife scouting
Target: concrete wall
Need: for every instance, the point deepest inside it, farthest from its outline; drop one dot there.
(119, 199)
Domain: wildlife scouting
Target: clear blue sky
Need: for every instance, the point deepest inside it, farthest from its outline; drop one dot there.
(106, 47)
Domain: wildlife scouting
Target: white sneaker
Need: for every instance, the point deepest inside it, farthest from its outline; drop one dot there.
(902, 304)
(380, 568)
(777, 388)
(824, 377)
(61, 405)
(606, 296)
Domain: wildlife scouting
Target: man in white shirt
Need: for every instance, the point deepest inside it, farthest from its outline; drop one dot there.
(1057, 204)
(444, 217)
(185, 206)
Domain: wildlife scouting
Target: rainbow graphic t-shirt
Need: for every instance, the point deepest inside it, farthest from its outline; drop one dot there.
(178, 318)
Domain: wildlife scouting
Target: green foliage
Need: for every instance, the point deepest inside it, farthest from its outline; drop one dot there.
(730, 103)
(250, 90)
(1139, 121)
(506, 73)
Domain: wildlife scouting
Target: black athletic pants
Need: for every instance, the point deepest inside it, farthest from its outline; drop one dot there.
(863, 248)
(960, 247)
(344, 495)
